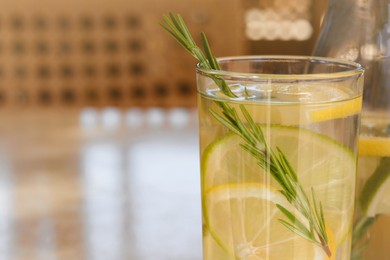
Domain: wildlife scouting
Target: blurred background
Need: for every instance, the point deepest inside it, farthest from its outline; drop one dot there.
(98, 124)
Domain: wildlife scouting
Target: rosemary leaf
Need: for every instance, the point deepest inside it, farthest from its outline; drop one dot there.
(300, 232)
(294, 220)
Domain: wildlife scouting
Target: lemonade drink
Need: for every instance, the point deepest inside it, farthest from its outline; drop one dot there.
(312, 119)
(373, 189)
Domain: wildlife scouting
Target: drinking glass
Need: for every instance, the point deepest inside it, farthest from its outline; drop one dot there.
(360, 31)
(278, 154)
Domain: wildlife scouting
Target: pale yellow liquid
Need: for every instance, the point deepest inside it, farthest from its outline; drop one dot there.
(378, 247)
(285, 114)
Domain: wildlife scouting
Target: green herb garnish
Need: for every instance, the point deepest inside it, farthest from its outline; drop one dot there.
(275, 162)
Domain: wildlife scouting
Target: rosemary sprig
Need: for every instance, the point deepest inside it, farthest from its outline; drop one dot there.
(278, 166)
(275, 162)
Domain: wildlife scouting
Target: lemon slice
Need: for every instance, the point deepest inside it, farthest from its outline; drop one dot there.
(320, 163)
(244, 218)
(298, 114)
(374, 146)
(343, 109)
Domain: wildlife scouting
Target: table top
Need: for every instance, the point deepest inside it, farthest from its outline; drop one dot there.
(97, 185)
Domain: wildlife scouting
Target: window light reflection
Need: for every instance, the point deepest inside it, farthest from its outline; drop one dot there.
(284, 23)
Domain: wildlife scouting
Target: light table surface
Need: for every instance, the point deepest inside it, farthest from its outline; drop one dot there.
(99, 185)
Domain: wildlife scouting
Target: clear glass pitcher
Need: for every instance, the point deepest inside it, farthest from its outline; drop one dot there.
(359, 30)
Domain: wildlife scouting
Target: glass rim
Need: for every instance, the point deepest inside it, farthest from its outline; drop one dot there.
(355, 68)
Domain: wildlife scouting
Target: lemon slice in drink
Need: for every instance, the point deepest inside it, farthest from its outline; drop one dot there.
(298, 114)
(375, 194)
(343, 109)
(374, 146)
(244, 220)
(321, 164)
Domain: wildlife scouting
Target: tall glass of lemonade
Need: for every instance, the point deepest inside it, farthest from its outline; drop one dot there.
(278, 147)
